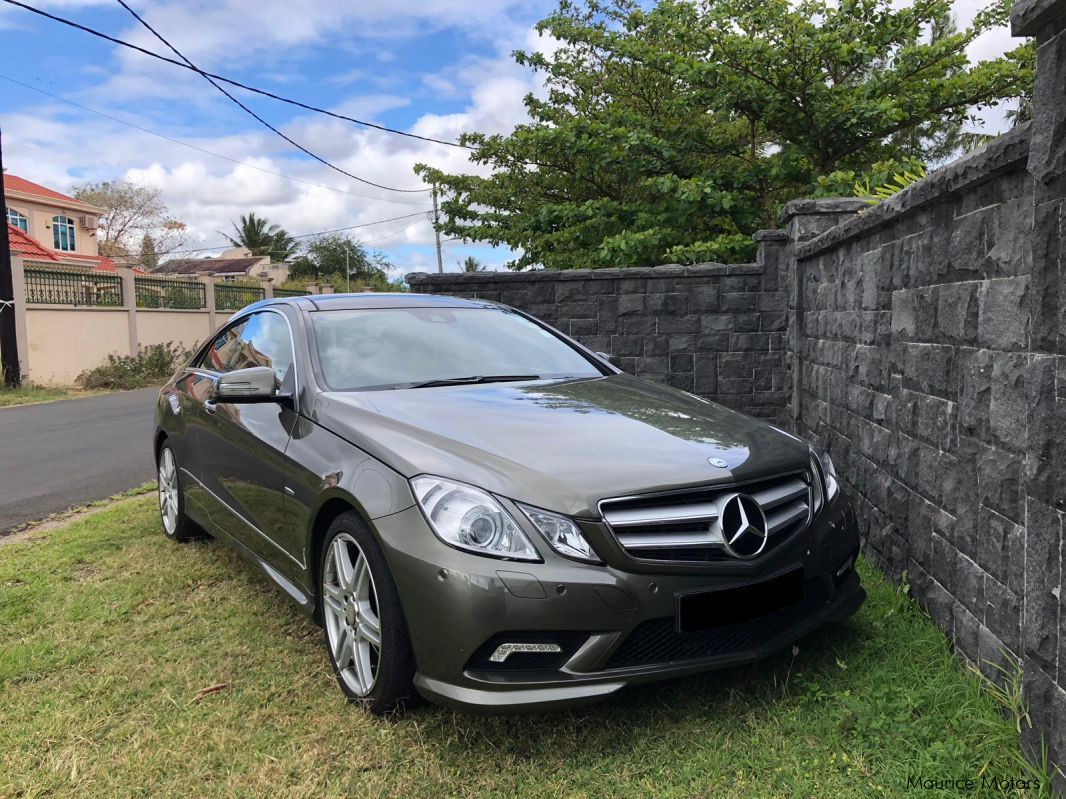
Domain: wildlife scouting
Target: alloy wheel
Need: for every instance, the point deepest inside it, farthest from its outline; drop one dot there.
(168, 491)
(350, 608)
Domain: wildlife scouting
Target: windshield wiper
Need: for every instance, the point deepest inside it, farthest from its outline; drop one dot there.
(463, 381)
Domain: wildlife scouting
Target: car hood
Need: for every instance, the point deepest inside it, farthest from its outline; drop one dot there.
(561, 445)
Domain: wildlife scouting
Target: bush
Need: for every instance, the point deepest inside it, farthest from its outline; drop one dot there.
(151, 366)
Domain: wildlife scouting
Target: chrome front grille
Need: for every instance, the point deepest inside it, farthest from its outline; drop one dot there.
(683, 526)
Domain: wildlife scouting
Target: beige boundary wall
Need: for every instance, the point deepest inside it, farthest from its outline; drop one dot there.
(59, 342)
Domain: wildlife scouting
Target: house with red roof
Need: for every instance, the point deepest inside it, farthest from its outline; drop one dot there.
(45, 225)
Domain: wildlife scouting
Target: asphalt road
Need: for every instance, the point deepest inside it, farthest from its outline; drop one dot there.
(57, 455)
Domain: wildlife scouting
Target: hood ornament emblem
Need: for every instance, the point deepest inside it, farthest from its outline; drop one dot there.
(743, 526)
(721, 464)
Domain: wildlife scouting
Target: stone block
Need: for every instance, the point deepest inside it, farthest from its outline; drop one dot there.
(717, 323)
(739, 302)
(656, 346)
(956, 315)
(679, 324)
(704, 298)
(1046, 434)
(1047, 306)
(999, 482)
(1043, 583)
(629, 304)
(1003, 313)
(583, 327)
(975, 391)
(705, 373)
(627, 345)
(681, 362)
(638, 325)
(1009, 399)
(651, 367)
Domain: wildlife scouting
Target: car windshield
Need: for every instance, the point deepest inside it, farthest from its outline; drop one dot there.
(408, 347)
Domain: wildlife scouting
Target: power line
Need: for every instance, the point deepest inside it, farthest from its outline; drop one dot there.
(308, 235)
(256, 116)
(172, 140)
(299, 104)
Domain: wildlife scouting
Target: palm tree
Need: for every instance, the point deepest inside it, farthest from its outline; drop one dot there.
(262, 238)
(472, 264)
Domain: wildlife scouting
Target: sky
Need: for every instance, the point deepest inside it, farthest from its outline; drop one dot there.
(431, 67)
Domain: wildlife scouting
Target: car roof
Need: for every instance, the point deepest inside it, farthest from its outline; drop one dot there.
(370, 300)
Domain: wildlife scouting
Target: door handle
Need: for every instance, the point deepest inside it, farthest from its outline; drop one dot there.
(209, 406)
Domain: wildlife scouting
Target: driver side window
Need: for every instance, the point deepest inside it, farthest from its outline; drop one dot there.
(223, 352)
(262, 339)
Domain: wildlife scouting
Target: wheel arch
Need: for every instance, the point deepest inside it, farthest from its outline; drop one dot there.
(331, 506)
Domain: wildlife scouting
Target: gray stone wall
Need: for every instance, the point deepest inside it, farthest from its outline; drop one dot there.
(715, 330)
(930, 362)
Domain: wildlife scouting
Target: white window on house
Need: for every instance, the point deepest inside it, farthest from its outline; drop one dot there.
(63, 233)
(231, 278)
(18, 220)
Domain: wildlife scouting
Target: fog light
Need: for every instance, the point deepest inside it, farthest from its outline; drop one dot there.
(504, 651)
(845, 567)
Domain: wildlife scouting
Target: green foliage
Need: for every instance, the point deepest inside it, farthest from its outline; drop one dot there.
(151, 366)
(875, 193)
(472, 264)
(342, 262)
(260, 237)
(149, 257)
(672, 134)
(879, 182)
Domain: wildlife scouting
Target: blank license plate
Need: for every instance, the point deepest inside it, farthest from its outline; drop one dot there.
(705, 610)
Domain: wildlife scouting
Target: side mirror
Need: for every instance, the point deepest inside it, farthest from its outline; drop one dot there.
(254, 384)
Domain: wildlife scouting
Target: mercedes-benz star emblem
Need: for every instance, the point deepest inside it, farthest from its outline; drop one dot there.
(721, 464)
(743, 526)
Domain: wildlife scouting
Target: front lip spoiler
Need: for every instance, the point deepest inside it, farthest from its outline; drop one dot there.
(556, 692)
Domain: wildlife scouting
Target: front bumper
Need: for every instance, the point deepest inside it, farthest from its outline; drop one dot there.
(619, 622)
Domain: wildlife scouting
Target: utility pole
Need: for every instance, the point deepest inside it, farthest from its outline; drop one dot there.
(347, 274)
(436, 229)
(9, 354)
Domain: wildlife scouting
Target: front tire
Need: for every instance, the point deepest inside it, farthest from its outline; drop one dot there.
(366, 633)
(176, 525)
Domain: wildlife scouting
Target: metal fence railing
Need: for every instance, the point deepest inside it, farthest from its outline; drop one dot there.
(291, 292)
(64, 287)
(162, 292)
(230, 297)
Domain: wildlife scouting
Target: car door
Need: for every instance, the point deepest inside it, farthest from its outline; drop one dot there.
(241, 447)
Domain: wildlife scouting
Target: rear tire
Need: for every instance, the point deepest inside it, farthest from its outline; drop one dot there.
(366, 633)
(176, 525)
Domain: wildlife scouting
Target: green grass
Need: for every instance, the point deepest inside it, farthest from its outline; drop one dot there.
(24, 395)
(109, 632)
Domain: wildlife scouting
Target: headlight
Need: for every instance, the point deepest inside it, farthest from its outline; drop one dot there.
(829, 473)
(826, 488)
(470, 519)
(563, 535)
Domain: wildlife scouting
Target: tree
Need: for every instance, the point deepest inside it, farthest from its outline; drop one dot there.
(472, 264)
(673, 134)
(260, 237)
(132, 211)
(149, 257)
(342, 261)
